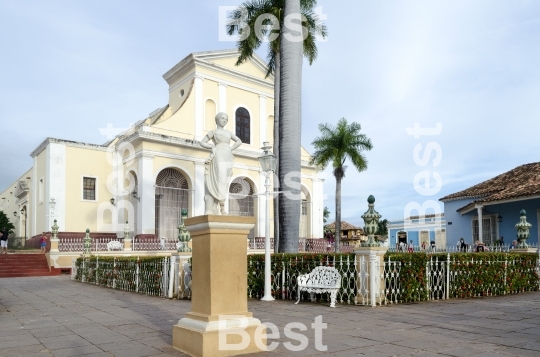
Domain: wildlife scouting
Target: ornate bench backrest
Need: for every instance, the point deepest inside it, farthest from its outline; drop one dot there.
(327, 276)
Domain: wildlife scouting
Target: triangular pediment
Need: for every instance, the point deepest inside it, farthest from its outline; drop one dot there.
(254, 66)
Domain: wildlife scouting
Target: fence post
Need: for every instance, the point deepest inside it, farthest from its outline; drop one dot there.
(172, 275)
(448, 276)
(137, 276)
(283, 280)
(97, 264)
(372, 292)
(428, 276)
(505, 271)
(114, 273)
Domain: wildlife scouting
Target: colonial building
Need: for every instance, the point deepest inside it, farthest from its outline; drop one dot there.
(147, 174)
(419, 229)
(491, 209)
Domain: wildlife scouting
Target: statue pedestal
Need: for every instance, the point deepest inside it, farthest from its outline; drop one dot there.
(219, 323)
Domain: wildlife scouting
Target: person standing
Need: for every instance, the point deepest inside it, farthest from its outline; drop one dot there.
(424, 246)
(410, 247)
(43, 243)
(4, 241)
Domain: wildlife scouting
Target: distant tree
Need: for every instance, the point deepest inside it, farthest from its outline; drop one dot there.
(5, 224)
(326, 214)
(336, 145)
(383, 228)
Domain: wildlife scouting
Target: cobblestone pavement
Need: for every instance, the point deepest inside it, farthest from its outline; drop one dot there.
(54, 316)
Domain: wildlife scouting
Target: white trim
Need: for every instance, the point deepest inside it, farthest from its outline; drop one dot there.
(250, 123)
(95, 188)
(35, 198)
(75, 144)
(491, 203)
(182, 82)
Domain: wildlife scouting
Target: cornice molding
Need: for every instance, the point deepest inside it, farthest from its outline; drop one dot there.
(76, 144)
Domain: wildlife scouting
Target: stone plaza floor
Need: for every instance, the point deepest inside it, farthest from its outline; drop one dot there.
(54, 316)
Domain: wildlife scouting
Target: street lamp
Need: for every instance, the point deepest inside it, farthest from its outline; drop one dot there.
(268, 165)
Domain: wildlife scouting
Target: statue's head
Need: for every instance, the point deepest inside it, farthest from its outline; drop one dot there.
(222, 119)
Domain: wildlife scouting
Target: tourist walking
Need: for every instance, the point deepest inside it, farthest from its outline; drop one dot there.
(410, 248)
(43, 242)
(424, 246)
(4, 241)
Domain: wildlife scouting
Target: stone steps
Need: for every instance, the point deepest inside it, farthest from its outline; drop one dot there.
(24, 265)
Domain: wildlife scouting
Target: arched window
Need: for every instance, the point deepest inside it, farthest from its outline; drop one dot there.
(172, 194)
(243, 125)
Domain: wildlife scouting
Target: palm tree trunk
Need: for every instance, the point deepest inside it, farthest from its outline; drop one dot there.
(290, 120)
(276, 151)
(337, 234)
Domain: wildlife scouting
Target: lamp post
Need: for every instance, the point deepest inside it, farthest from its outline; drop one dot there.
(268, 165)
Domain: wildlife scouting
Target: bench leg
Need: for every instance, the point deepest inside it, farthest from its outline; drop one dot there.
(333, 295)
(299, 295)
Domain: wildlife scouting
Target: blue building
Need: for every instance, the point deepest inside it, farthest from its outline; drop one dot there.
(428, 228)
(491, 209)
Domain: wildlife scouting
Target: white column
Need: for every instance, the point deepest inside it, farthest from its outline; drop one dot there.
(261, 221)
(56, 183)
(263, 123)
(317, 208)
(146, 215)
(222, 100)
(35, 198)
(479, 208)
(199, 107)
(198, 187)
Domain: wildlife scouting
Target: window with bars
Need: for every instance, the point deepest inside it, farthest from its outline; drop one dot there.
(489, 229)
(243, 125)
(89, 188)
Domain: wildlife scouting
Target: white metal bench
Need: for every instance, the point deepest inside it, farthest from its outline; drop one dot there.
(320, 280)
(115, 245)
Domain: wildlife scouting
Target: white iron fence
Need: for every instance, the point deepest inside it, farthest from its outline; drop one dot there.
(365, 280)
(150, 276)
(67, 244)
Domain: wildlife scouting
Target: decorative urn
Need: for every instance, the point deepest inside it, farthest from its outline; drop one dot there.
(87, 243)
(371, 223)
(183, 235)
(523, 228)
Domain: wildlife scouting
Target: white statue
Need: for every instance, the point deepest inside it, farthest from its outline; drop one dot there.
(218, 167)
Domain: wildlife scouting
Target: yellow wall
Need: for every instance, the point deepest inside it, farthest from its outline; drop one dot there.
(82, 214)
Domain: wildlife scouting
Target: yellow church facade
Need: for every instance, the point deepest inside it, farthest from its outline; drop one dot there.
(149, 173)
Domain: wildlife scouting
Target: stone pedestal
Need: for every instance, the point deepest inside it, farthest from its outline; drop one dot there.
(219, 323)
(127, 244)
(54, 245)
(370, 262)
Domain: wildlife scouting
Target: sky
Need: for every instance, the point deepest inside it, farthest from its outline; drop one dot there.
(68, 68)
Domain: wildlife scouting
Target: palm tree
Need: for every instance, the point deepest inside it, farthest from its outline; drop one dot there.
(252, 10)
(336, 145)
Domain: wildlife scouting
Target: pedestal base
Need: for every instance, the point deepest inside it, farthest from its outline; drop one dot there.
(219, 338)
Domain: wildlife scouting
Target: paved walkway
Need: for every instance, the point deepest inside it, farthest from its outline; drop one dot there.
(54, 316)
